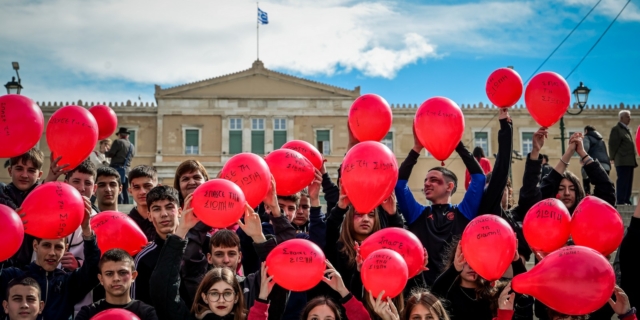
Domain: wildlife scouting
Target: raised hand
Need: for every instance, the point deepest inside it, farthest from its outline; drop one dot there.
(266, 282)
(343, 201)
(384, 308)
(459, 261)
(55, 171)
(314, 189)
(417, 146)
(271, 199)
(504, 114)
(252, 225)
(389, 204)
(69, 262)
(621, 306)
(506, 299)
(187, 219)
(334, 280)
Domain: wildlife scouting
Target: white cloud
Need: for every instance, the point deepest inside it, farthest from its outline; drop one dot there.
(610, 8)
(168, 42)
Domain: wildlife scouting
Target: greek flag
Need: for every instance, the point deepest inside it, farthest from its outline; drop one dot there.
(263, 18)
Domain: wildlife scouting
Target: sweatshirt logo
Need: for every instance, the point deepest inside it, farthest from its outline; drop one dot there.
(450, 215)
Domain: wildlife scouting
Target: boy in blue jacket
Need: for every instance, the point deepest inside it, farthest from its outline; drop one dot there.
(437, 224)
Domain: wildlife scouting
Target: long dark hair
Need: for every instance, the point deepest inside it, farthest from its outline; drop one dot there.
(577, 186)
(478, 153)
(212, 277)
(484, 289)
(319, 301)
(428, 300)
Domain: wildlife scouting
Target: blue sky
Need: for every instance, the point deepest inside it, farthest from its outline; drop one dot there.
(406, 51)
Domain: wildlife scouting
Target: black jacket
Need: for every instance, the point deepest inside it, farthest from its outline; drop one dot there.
(597, 149)
(165, 283)
(12, 197)
(60, 290)
(139, 308)
(145, 224)
(629, 262)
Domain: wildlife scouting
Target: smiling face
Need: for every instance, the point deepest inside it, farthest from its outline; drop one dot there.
(436, 187)
(220, 298)
(567, 193)
(189, 182)
(165, 215)
(24, 175)
(82, 182)
(49, 252)
(116, 278)
(23, 302)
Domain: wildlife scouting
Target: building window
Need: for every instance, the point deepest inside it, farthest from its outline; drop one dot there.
(323, 141)
(235, 135)
(527, 142)
(388, 141)
(192, 141)
(257, 136)
(279, 133)
(481, 139)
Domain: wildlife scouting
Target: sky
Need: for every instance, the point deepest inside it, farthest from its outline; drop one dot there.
(406, 51)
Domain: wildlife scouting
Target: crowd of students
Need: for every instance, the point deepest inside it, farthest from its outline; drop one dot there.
(191, 271)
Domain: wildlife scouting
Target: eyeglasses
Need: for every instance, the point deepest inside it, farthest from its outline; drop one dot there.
(215, 296)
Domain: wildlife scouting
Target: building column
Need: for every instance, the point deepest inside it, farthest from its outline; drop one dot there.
(246, 134)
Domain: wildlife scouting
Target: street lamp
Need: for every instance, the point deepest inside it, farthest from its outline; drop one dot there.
(582, 94)
(13, 86)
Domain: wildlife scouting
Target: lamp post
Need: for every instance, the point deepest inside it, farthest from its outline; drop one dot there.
(581, 94)
(14, 86)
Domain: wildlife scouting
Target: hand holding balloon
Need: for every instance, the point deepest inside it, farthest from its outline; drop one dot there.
(252, 225)
(314, 189)
(266, 282)
(389, 204)
(506, 299)
(504, 114)
(55, 171)
(417, 145)
(621, 306)
(334, 280)
(86, 224)
(459, 261)
(352, 139)
(386, 309)
(343, 201)
(271, 199)
(538, 142)
(187, 218)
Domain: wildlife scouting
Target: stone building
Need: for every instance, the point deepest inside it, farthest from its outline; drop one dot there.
(257, 110)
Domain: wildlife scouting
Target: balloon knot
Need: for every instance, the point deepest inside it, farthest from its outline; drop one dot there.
(442, 163)
(492, 284)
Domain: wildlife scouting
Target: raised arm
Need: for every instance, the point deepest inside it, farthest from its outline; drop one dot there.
(471, 201)
(409, 207)
(492, 198)
(85, 278)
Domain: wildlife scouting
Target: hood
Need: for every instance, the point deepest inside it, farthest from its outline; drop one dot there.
(594, 134)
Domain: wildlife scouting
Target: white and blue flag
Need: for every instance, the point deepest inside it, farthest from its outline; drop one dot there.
(263, 18)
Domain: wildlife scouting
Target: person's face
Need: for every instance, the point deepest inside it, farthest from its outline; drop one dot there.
(225, 257)
(189, 182)
(23, 302)
(108, 190)
(626, 119)
(104, 147)
(83, 182)
(435, 186)
(302, 213)
(221, 298)
(117, 277)
(468, 274)
(363, 223)
(49, 252)
(164, 215)
(24, 175)
(421, 312)
(289, 207)
(139, 189)
(567, 193)
(321, 312)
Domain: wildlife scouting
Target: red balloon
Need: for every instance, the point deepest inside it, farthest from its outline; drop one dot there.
(53, 210)
(292, 171)
(386, 270)
(106, 119)
(21, 125)
(573, 280)
(399, 240)
(439, 125)
(369, 174)
(115, 314)
(370, 117)
(116, 230)
(296, 264)
(251, 173)
(218, 203)
(307, 150)
(504, 87)
(547, 97)
(11, 232)
(489, 245)
(547, 225)
(638, 142)
(597, 225)
(72, 132)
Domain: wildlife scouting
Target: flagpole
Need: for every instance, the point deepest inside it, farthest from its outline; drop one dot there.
(257, 33)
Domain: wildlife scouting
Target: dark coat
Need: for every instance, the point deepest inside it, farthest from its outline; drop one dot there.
(622, 150)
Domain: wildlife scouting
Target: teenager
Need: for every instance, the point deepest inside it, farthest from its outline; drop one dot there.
(62, 289)
(478, 153)
(98, 158)
(109, 187)
(117, 273)
(421, 305)
(435, 225)
(142, 179)
(23, 300)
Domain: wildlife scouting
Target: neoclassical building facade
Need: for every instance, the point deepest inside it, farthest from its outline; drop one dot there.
(257, 110)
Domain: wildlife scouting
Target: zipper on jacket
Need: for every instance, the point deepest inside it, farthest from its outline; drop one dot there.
(46, 295)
